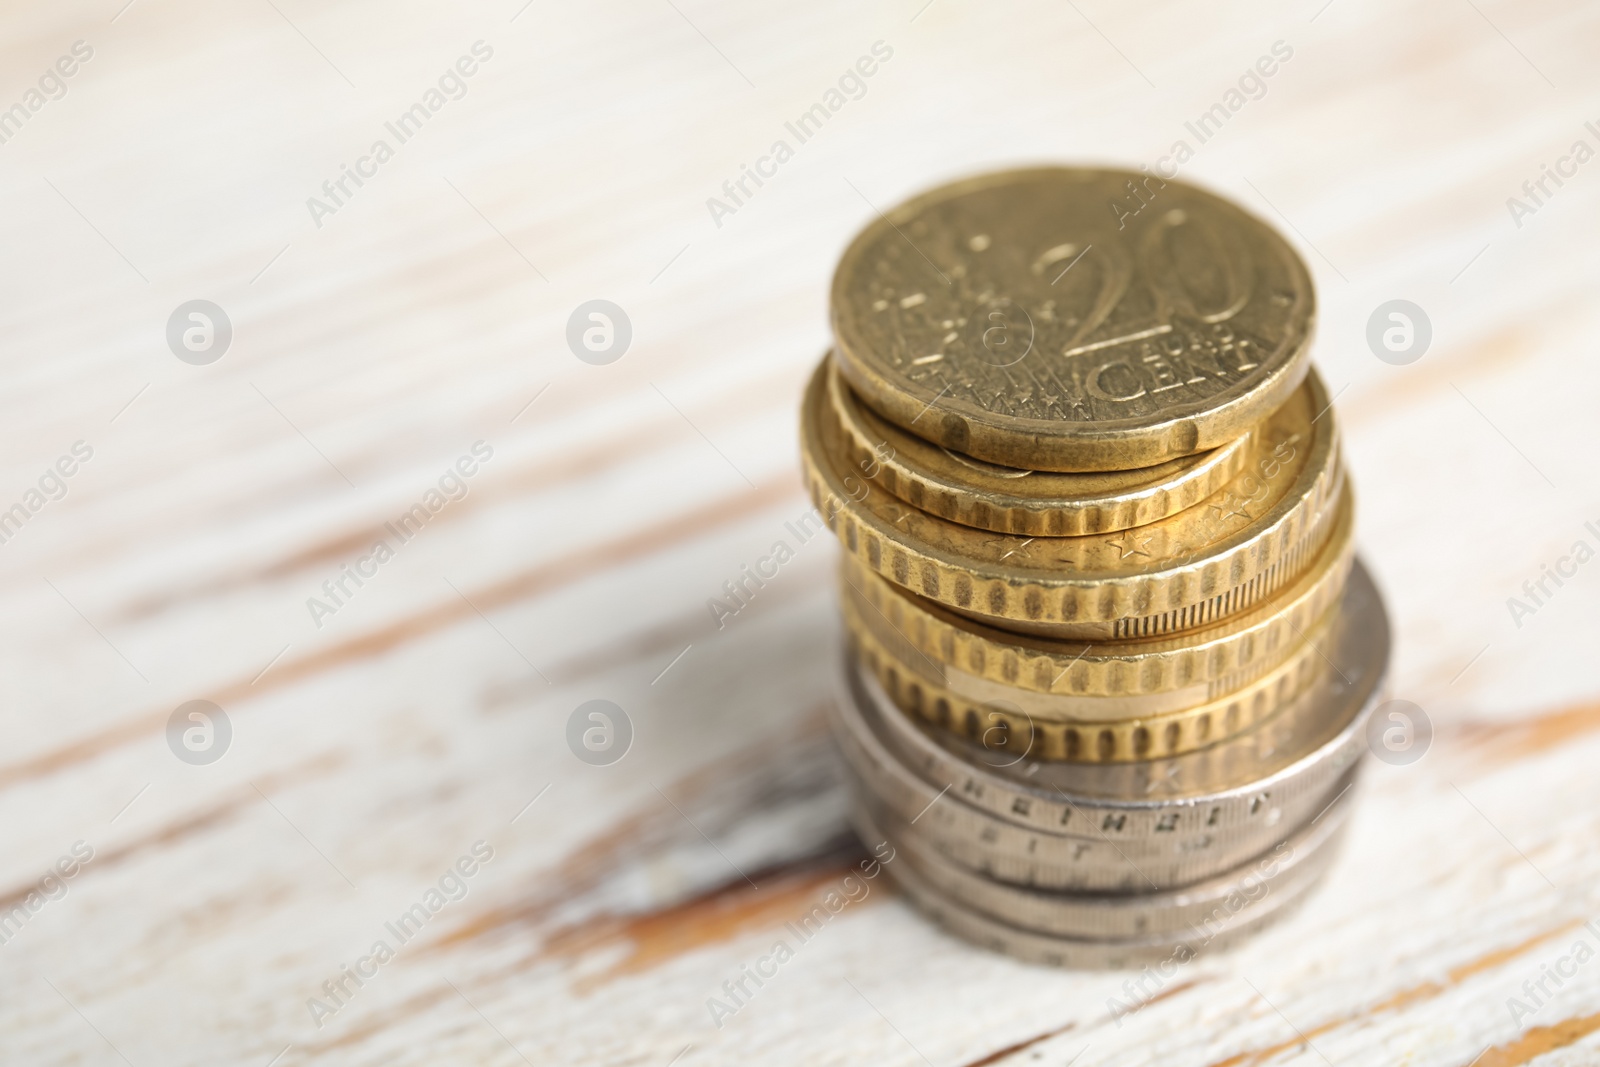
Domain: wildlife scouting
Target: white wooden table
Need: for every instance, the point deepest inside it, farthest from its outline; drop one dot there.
(378, 337)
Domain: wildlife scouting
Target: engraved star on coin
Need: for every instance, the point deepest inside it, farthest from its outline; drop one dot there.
(1161, 777)
(1131, 545)
(1228, 513)
(1019, 548)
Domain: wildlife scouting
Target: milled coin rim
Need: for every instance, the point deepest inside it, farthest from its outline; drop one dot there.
(1193, 665)
(1231, 575)
(1328, 736)
(1044, 730)
(1103, 848)
(1294, 753)
(1164, 490)
(1053, 444)
(1098, 850)
(1067, 860)
(1120, 841)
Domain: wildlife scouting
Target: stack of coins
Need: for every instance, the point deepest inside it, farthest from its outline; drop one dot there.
(1111, 657)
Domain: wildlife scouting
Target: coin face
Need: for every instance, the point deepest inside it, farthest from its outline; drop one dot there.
(1072, 319)
(977, 493)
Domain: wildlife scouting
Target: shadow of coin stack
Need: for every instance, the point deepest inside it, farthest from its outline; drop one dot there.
(1111, 658)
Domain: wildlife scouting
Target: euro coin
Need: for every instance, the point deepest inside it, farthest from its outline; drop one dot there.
(1072, 319)
(1287, 868)
(973, 492)
(1044, 727)
(1187, 570)
(1237, 916)
(1095, 680)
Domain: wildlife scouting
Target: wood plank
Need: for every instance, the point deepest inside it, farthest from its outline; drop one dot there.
(429, 711)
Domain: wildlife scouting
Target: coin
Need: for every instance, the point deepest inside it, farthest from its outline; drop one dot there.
(1108, 679)
(975, 493)
(1286, 868)
(1227, 926)
(1042, 727)
(1184, 571)
(1024, 319)
(1020, 838)
(1165, 821)
(1105, 865)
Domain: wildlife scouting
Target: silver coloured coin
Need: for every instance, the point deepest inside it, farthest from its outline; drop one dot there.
(1163, 955)
(1288, 868)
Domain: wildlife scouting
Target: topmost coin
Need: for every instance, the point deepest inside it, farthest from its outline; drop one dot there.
(1072, 319)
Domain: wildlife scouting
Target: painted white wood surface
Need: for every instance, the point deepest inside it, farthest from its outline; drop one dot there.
(372, 351)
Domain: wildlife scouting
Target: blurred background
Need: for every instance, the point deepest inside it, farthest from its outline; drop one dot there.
(286, 281)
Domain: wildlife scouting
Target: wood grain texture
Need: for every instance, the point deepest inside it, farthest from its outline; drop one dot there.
(429, 312)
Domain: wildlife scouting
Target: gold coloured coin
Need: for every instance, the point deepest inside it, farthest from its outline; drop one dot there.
(1072, 319)
(1106, 679)
(975, 493)
(1043, 727)
(1187, 570)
